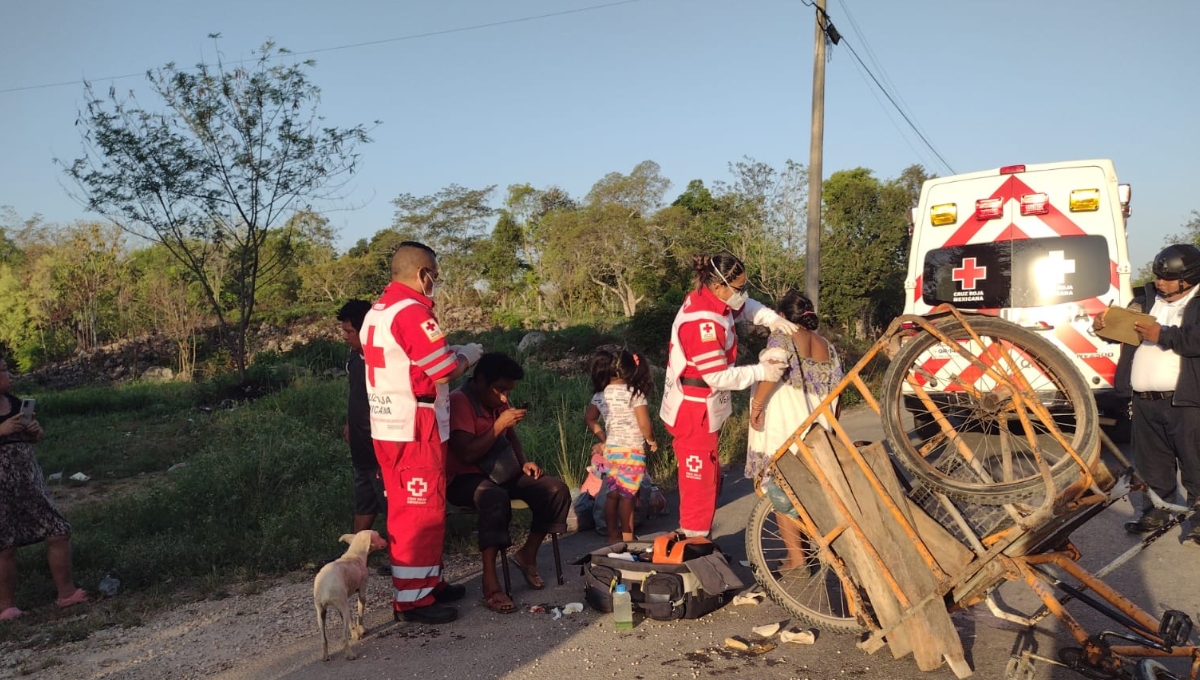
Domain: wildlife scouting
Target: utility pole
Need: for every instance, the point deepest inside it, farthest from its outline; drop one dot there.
(813, 240)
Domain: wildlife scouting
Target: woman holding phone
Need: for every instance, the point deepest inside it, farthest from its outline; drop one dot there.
(27, 512)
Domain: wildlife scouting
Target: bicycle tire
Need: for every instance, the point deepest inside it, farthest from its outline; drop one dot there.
(1149, 669)
(815, 597)
(1004, 469)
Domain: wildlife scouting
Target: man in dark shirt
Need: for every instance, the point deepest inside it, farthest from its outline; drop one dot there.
(369, 499)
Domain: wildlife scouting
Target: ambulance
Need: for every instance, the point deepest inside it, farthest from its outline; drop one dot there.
(1042, 246)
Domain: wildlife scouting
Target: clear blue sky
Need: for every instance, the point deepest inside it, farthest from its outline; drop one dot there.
(691, 84)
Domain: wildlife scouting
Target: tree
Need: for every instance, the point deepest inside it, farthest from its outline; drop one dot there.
(499, 257)
(452, 222)
(864, 251)
(613, 241)
(234, 151)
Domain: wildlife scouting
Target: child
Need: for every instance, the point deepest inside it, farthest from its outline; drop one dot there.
(621, 382)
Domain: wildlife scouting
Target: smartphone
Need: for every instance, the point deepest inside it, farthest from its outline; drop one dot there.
(27, 406)
(524, 406)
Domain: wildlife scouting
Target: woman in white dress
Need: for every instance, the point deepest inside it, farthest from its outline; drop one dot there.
(778, 408)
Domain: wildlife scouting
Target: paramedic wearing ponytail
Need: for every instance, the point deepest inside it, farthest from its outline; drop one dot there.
(701, 373)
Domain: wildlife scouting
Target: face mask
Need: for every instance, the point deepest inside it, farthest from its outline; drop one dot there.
(433, 286)
(738, 299)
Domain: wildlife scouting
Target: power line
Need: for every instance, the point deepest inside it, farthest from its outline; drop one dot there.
(900, 110)
(834, 36)
(402, 38)
(879, 67)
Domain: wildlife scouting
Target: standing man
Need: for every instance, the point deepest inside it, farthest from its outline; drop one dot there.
(1163, 374)
(408, 366)
(369, 499)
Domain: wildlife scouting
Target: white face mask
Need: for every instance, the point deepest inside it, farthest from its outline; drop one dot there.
(739, 297)
(433, 286)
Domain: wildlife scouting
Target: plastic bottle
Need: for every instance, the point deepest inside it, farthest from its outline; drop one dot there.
(622, 609)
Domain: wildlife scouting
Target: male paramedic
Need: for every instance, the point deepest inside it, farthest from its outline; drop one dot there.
(408, 365)
(701, 372)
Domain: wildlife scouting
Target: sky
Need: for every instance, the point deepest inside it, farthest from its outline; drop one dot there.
(690, 84)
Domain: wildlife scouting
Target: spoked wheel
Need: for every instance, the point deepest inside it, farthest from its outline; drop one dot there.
(986, 454)
(798, 578)
(1149, 669)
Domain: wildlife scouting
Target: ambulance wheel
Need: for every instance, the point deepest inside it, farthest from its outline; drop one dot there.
(812, 591)
(999, 464)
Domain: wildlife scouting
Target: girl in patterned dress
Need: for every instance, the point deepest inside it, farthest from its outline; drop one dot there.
(621, 382)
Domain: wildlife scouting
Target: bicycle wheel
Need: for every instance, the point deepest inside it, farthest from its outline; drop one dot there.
(1149, 669)
(812, 591)
(999, 465)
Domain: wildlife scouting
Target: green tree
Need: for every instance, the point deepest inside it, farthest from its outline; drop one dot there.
(452, 222)
(864, 249)
(613, 242)
(235, 151)
(499, 258)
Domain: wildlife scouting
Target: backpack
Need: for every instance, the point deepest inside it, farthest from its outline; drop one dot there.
(685, 589)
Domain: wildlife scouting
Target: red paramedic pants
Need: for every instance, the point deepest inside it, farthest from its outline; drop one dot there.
(414, 478)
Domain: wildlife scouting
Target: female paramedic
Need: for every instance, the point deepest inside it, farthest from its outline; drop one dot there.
(700, 374)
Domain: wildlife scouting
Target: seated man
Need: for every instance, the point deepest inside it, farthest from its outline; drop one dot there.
(480, 416)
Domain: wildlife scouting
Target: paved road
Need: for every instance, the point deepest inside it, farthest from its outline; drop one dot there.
(482, 644)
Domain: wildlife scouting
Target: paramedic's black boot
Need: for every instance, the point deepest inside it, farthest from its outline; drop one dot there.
(433, 614)
(451, 593)
(1151, 520)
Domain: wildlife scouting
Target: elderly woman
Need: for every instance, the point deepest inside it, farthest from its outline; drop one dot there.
(27, 513)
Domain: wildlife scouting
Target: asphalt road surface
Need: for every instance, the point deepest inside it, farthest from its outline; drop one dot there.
(482, 644)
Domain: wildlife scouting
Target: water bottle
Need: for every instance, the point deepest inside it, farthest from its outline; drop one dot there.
(622, 609)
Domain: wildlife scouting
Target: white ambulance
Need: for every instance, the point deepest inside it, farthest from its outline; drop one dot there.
(1042, 246)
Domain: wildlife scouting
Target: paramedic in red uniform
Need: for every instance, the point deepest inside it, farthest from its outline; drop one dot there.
(408, 365)
(700, 374)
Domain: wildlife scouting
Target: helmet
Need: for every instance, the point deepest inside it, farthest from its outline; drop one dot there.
(1179, 261)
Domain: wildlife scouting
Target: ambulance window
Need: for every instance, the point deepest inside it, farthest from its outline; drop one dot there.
(1051, 271)
(1021, 273)
(973, 276)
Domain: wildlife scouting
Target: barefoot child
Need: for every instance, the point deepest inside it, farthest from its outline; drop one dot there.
(621, 382)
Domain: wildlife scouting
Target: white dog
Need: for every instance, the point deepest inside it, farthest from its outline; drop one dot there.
(341, 577)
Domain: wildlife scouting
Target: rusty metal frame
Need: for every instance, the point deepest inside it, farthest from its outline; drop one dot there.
(988, 549)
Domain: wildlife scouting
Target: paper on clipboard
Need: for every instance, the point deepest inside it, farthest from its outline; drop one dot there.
(1118, 325)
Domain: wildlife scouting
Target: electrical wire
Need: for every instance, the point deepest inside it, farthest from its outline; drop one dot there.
(883, 89)
(414, 36)
(875, 62)
(898, 109)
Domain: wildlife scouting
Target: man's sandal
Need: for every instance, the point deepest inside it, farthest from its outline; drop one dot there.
(529, 573)
(499, 603)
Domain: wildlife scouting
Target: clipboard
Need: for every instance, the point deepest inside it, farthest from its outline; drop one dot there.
(1118, 325)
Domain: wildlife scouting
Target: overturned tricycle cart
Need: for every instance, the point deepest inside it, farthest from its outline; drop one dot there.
(991, 459)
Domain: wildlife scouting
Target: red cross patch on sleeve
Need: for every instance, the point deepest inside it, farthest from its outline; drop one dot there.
(708, 332)
(432, 330)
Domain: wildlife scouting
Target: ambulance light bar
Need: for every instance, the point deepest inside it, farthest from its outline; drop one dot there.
(989, 208)
(1012, 169)
(943, 214)
(1124, 193)
(1035, 204)
(1085, 200)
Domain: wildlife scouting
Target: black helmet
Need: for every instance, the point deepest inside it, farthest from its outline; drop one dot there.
(1179, 261)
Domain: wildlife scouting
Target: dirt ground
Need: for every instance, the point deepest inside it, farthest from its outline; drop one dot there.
(203, 639)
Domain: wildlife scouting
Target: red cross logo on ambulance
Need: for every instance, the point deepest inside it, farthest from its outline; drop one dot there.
(1051, 273)
(969, 273)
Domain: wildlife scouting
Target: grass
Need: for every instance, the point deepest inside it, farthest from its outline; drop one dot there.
(267, 487)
